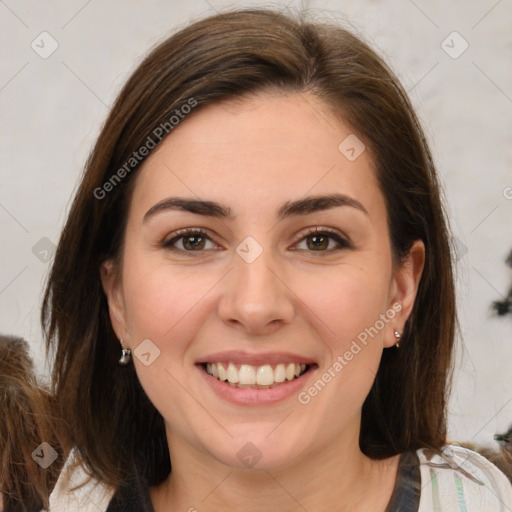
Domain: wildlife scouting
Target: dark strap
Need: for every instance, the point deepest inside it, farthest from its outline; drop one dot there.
(407, 492)
(133, 496)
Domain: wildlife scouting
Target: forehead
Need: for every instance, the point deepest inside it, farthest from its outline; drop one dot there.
(258, 151)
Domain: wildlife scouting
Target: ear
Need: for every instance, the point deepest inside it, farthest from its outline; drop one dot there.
(112, 287)
(404, 287)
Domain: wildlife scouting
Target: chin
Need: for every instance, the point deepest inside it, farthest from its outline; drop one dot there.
(255, 449)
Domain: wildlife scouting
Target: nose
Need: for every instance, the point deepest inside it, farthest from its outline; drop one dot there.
(256, 297)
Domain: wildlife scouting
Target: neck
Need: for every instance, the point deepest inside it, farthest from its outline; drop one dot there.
(337, 477)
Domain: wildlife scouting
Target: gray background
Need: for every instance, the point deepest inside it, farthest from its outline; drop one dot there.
(52, 109)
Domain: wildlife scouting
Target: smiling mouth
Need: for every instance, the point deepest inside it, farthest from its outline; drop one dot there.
(256, 377)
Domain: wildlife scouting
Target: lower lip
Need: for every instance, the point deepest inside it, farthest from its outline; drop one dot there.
(248, 396)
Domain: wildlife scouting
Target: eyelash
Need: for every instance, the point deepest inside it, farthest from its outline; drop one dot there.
(188, 232)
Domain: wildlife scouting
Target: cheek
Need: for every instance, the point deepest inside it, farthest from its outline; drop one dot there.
(346, 301)
(348, 307)
(163, 304)
(161, 299)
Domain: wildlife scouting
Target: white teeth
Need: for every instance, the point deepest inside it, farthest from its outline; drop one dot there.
(265, 375)
(290, 371)
(220, 370)
(279, 373)
(247, 375)
(233, 375)
(254, 376)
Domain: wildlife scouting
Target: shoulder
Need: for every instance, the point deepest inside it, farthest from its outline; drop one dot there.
(462, 480)
(91, 496)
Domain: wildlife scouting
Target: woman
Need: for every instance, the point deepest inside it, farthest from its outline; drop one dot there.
(254, 286)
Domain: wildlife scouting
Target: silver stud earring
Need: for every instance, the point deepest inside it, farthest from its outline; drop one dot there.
(397, 336)
(126, 355)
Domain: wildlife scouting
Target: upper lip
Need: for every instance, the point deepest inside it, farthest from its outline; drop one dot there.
(259, 359)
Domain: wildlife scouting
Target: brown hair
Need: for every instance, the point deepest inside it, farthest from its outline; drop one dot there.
(26, 421)
(112, 422)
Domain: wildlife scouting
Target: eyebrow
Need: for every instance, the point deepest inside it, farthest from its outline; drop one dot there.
(303, 206)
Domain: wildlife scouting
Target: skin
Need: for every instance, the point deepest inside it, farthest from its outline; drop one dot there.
(254, 155)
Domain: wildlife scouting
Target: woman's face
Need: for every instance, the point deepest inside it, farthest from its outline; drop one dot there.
(257, 294)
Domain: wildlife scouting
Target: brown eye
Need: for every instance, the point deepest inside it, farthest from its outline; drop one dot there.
(318, 240)
(193, 242)
(189, 241)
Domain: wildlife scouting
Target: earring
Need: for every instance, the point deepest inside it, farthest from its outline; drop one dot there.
(397, 336)
(126, 355)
